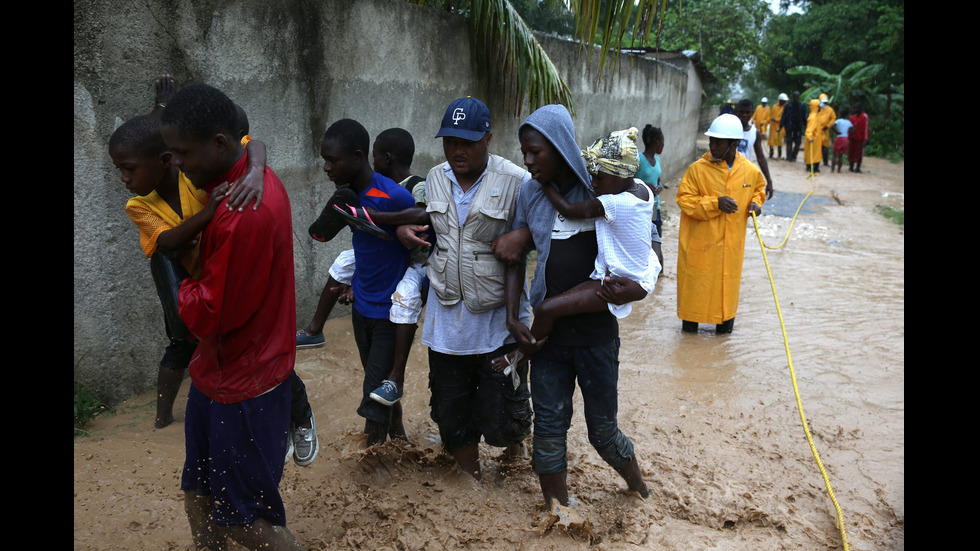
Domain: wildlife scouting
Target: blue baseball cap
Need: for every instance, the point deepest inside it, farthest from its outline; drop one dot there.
(467, 118)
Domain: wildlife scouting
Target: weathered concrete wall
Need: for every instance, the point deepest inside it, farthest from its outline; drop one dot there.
(294, 66)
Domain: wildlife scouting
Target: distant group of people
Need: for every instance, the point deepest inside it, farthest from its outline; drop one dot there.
(825, 137)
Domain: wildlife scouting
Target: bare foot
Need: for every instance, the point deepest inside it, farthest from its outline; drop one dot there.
(514, 359)
(499, 364)
(634, 478)
(513, 453)
(374, 432)
(159, 424)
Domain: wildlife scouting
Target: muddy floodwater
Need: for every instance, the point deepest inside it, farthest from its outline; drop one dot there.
(713, 418)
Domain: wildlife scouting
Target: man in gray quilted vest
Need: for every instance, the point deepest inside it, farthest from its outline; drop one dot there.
(471, 200)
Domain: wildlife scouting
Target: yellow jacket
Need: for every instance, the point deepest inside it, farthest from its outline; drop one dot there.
(712, 243)
(153, 216)
(811, 149)
(761, 117)
(776, 137)
(826, 117)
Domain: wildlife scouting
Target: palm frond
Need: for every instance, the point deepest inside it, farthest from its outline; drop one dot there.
(618, 18)
(514, 60)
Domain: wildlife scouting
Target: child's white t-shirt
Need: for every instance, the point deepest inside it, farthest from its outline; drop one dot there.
(623, 236)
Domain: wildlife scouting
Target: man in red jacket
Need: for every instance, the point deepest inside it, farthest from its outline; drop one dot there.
(860, 132)
(243, 311)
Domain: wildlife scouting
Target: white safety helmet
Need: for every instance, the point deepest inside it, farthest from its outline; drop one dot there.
(765, 100)
(783, 97)
(727, 127)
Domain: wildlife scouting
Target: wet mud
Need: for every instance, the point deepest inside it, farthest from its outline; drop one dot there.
(714, 421)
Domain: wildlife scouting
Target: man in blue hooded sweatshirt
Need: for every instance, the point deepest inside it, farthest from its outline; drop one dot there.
(585, 346)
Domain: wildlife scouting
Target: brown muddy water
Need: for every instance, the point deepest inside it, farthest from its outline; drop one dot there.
(713, 418)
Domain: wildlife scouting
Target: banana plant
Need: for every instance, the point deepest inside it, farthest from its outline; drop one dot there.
(856, 81)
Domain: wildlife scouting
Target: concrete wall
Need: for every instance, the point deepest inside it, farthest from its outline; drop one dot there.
(294, 66)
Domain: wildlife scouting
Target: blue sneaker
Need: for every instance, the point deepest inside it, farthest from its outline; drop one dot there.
(388, 393)
(306, 340)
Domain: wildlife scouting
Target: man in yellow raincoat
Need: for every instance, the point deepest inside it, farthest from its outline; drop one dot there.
(776, 131)
(826, 116)
(761, 116)
(716, 195)
(813, 138)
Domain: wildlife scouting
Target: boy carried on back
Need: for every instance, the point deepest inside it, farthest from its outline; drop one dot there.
(170, 215)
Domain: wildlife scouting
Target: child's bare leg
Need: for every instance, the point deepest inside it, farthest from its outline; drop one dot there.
(168, 385)
(397, 427)
(406, 307)
(404, 336)
(328, 299)
(205, 532)
(386, 393)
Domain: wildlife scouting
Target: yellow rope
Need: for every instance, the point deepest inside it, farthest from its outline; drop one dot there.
(793, 221)
(792, 372)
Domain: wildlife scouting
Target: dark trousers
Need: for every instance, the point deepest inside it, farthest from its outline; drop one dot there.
(793, 140)
(375, 340)
(470, 400)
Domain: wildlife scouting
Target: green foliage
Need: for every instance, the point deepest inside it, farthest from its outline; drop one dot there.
(725, 32)
(832, 34)
(87, 407)
(852, 51)
(887, 138)
(539, 16)
(854, 83)
(895, 215)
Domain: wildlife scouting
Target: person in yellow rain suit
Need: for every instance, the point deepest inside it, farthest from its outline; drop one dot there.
(716, 195)
(826, 116)
(776, 131)
(761, 116)
(813, 138)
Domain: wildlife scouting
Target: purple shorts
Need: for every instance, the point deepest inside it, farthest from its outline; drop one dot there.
(235, 455)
